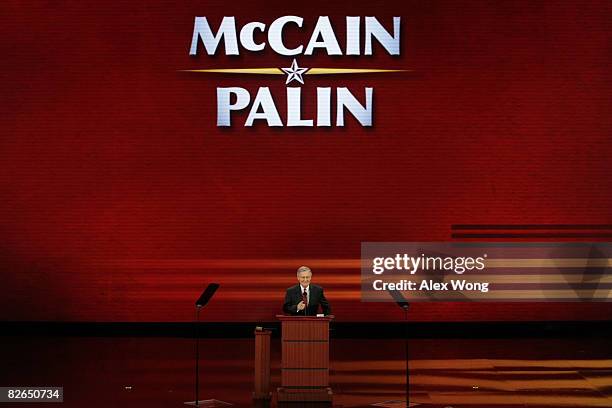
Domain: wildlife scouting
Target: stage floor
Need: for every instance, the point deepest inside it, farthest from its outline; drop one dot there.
(159, 371)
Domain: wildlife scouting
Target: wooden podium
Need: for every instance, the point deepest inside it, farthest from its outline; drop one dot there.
(262, 364)
(305, 359)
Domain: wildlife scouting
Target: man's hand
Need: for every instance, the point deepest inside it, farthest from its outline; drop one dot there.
(301, 306)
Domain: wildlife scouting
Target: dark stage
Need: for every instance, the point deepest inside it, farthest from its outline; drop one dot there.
(569, 365)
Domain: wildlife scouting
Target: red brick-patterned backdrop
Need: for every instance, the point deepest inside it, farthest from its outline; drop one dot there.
(118, 191)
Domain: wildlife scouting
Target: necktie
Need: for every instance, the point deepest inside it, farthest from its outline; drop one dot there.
(305, 298)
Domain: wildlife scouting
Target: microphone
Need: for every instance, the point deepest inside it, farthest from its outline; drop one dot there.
(305, 300)
(206, 295)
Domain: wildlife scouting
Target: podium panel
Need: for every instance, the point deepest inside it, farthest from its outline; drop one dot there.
(305, 355)
(305, 359)
(305, 329)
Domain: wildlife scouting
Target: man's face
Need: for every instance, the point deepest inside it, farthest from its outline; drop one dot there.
(304, 278)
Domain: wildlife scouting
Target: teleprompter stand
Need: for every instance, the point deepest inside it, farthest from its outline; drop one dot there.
(200, 303)
(405, 305)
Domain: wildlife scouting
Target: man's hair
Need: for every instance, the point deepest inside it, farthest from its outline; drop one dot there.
(303, 269)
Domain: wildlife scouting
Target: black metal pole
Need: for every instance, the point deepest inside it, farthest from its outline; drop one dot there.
(406, 333)
(197, 358)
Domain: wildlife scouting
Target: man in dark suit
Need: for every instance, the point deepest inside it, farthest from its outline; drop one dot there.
(304, 299)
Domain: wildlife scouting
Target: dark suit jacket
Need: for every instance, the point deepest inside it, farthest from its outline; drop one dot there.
(294, 296)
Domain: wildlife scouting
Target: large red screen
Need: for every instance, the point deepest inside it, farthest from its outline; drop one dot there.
(121, 198)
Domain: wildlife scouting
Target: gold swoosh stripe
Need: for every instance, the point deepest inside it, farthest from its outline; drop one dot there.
(326, 71)
(261, 71)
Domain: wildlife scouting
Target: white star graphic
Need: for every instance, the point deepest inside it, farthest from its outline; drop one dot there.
(295, 72)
